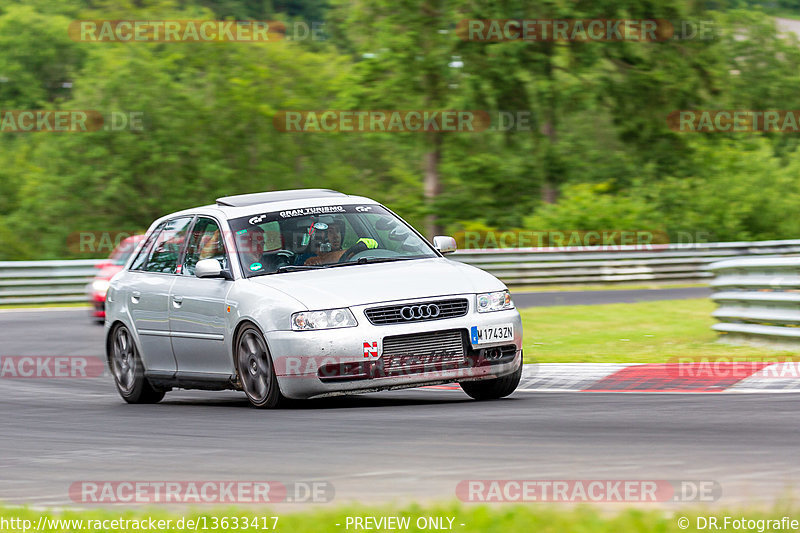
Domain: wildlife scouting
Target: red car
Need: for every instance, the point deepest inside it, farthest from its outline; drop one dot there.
(99, 285)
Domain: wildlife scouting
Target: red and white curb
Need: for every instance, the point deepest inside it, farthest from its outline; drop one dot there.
(713, 377)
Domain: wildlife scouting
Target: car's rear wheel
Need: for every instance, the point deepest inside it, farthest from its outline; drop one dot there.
(492, 389)
(128, 370)
(256, 371)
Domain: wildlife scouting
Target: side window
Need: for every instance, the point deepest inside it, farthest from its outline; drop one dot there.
(144, 253)
(205, 243)
(167, 246)
(350, 236)
(393, 235)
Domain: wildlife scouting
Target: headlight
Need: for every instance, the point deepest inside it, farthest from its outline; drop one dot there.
(327, 319)
(100, 285)
(494, 301)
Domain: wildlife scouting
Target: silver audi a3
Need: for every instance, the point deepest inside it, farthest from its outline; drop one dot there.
(301, 294)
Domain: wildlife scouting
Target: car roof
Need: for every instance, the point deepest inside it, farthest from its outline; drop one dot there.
(250, 204)
(246, 200)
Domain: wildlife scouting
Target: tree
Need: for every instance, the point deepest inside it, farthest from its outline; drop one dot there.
(404, 61)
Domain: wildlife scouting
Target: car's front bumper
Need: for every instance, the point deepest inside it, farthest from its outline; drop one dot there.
(98, 302)
(341, 361)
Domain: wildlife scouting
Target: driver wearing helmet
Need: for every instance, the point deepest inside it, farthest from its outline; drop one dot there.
(327, 243)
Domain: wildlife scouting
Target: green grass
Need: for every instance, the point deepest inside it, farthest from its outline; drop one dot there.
(43, 306)
(540, 518)
(646, 332)
(521, 288)
(602, 287)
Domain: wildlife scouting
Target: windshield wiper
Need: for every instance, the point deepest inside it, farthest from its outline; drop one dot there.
(297, 268)
(360, 261)
(370, 260)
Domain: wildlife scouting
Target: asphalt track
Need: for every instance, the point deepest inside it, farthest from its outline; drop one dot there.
(385, 447)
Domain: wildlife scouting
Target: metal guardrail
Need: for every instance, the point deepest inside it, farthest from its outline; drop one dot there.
(758, 298)
(624, 264)
(65, 281)
(24, 282)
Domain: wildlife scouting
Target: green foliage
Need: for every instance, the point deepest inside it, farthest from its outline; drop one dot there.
(741, 191)
(594, 207)
(38, 60)
(598, 153)
(15, 247)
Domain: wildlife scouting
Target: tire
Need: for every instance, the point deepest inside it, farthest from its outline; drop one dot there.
(256, 371)
(128, 370)
(492, 389)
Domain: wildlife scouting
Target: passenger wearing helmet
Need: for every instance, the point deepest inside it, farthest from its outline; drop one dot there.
(250, 243)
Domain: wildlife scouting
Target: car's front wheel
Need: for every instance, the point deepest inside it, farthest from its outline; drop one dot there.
(128, 370)
(492, 389)
(256, 371)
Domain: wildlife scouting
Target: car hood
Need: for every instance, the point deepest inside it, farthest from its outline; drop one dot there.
(381, 282)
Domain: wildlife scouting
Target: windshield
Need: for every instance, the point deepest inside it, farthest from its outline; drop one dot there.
(324, 237)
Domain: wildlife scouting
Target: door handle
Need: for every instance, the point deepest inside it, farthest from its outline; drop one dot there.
(135, 295)
(177, 301)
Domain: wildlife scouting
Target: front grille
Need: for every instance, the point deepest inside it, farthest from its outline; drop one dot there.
(417, 312)
(423, 351)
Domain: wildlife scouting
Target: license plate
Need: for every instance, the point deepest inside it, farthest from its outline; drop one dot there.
(487, 334)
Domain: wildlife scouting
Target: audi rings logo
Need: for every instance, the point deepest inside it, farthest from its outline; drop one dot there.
(420, 312)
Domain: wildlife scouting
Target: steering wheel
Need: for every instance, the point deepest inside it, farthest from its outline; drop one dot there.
(282, 258)
(357, 248)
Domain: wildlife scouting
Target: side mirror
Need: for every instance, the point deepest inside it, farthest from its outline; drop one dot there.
(445, 245)
(210, 268)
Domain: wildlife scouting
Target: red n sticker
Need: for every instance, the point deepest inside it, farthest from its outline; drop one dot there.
(370, 349)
